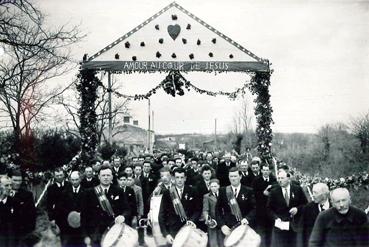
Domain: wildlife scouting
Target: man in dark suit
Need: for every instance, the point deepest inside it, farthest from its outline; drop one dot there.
(247, 177)
(116, 168)
(172, 218)
(223, 169)
(215, 235)
(265, 221)
(310, 212)
(148, 183)
(24, 210)
(54, 199)
(342, 225)
(102, 206)
(285, 201)
(71, 235)
(89, 180)
(6, 213)
(203, 187)
(193, 172)
(235, 198)
(130, 197)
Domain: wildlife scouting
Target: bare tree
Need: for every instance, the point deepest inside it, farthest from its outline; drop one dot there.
(119, 110)
(360, 129)
(33, 56)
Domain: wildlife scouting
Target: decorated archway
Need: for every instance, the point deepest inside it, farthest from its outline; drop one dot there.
(174, 41)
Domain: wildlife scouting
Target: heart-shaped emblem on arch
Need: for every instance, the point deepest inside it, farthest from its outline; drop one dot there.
(174, 31)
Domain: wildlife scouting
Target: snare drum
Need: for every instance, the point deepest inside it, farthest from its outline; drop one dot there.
(244, 236)
(190, 237)
(154, 220)
(120, 235)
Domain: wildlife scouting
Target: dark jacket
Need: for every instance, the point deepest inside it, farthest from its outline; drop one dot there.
(94, 220)
(169, 221)
(246, 202)
(89, 184)
(306, 221)
(148, 185)
(332, 229)
(222, 172)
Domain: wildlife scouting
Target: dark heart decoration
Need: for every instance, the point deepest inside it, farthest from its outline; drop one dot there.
(174, 31)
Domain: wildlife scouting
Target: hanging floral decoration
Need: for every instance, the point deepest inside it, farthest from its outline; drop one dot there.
(87, 88)
(259, 86)
(176, 84)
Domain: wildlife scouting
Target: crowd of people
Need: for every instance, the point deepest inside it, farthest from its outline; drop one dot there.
(212, 193)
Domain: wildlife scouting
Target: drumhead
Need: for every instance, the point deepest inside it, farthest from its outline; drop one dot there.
(182, 236)
(235, 236)
(112, 235)
(74, 219)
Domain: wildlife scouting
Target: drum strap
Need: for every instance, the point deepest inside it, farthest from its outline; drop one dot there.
(177, 204)
(103, 200)
(233, 204)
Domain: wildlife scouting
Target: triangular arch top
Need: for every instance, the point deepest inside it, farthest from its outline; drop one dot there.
(175, 39)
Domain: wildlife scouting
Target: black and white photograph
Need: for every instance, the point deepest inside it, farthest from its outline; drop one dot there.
(188, 123)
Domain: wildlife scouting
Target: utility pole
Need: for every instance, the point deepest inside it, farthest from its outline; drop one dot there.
(215, 134)
(149, 127)
(109, 105)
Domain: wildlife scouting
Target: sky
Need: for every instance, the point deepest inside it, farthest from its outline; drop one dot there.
(319, 52)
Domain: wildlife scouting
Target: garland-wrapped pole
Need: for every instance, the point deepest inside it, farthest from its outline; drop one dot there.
(259, 85)
(87, 88)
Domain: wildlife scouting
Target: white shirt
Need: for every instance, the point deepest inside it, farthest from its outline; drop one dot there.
(76, 190)
(287, 190)
(238, 190)
(325, 205)
(4, 200)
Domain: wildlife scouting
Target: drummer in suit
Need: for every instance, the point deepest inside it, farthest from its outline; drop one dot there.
(235, 205)
(102, 206)
(130, 196)
(202, 188)
(265, 221)
(285, 202)
(179, 206)
(72, 203)
(215, 236)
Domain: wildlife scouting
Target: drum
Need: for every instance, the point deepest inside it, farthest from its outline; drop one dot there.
(244, 236)
(120, 235)
(190, 237)
(154, 220)
(74, 219)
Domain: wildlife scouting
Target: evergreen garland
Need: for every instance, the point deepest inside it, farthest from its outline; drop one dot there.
(259, 86)
(87, 88)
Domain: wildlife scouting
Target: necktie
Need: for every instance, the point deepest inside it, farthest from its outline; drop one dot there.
(180, 193)
(106, 191)
(286, 196)
(216, 195)
(235, 192)
(75, 190)
(321, 207)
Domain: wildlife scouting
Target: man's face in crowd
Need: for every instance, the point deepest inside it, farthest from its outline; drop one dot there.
(179, 179)
(282, 178)
(16, 182)
(128, 170)
(255, 168)
(75, 179)
(234, 178)
(122, 181)
(165, 177)
(319, 196)
(59, 176)
(206, 175)
(179, 162)
(116, 162)
(89, 172)
(105, 177)
(130, 181)
(214, 187)
(171, 163)
(5, 186)
(265, 171)
(193, 164)
(146, 167)
(138, 170)
(341, 201)
(243, 166)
